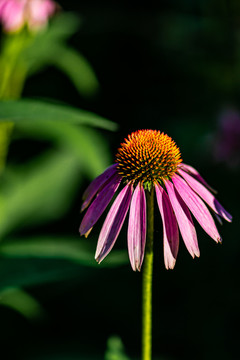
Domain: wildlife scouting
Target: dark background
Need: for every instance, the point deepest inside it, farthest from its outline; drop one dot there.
(175, 67)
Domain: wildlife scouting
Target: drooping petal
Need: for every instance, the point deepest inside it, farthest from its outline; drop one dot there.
(99, 204)
(113, 223)
(170, 228)
(206, 195)
(96, 185)
(137, 228)
(191, 170)
(197, 207)
(184, 220)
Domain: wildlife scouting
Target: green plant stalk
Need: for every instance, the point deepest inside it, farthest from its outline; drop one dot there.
(13, 74)
(147, 282)
(5, 135)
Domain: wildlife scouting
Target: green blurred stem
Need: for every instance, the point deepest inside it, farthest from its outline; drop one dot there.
(13, 74)
(13, 70)
(147, 282)
(5, 135)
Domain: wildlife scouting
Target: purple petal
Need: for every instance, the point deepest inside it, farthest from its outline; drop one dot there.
(184, 220)
(137, 228)
(197, 207)
(170, 228)
(99, 204)
(206, 195)
(189, 169)
(113, 223)
(97, 184)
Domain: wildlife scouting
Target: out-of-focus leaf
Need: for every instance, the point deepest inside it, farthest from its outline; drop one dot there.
(62, 26)
(86, 144)
(35, 111)
(79, 251)
(21, 302)
(115, 349)
(35, 53)
(42, 193)
(20, 272)
(49, 48)
(45, 191)
(32, 261)
(77, 68)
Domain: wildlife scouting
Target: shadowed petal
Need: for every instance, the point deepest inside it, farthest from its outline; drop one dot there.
(197, 207)
(184, 220)
(189, 169)
(96, 185)
(206, 195)
(99, 204)
(170, 228)
(137, 228)
(113, 223)
(218, 218)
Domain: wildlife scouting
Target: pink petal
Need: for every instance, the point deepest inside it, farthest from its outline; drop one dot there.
(12, 15)
(206, 195)
(184, 220)
(113, 223)
(137, 228)
(39, 11)
(2, 5)
(189, 169)
(197, 207)
(170, 228)
(97, 184)
(99, 204)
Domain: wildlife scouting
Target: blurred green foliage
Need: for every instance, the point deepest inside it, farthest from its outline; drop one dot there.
(42, 188)
(24, 54)
(171, 66)
(115, 349)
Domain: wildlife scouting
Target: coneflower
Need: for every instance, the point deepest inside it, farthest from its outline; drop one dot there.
(150, 160)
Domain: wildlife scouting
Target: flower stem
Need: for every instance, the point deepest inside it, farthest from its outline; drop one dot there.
(147, 282)
(13, 73)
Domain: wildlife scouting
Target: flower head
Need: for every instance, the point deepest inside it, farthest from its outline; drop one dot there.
(14, 14)
(149, 160)
(148, 156)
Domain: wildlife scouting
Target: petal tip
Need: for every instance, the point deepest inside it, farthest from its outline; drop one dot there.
(97, 258)
(87, 233)
(138, 267)
(230, 218)
(82, 208)
(83, 232)
(170, 267)
(135, 267)
(196, 253)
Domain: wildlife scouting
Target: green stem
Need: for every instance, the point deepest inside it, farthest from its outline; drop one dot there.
(13, 72)
(147, 282)
(5, 135)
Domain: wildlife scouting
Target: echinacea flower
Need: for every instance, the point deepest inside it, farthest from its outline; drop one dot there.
(149, 160)
(14, 14)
